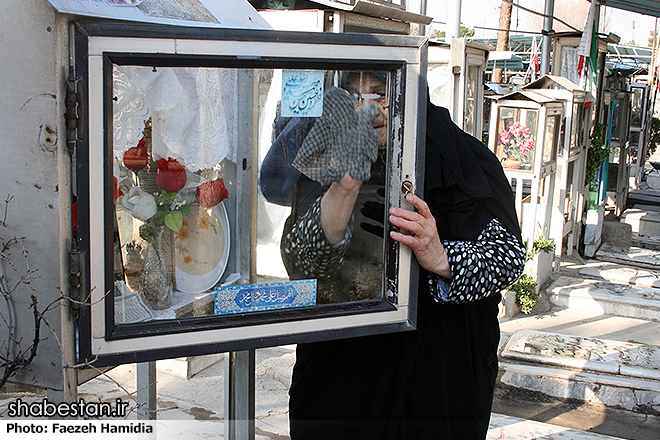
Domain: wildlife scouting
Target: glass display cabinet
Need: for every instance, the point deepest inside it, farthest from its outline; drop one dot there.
(614, 178)
(639, 127)
(526, 131)
(455, 78)
(194, 142)
(569, 187)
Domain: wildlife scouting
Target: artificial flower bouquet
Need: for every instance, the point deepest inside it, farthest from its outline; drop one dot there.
(161, 201)
(518, 144)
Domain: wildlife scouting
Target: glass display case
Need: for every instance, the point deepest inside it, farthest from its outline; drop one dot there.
(455, 78)
(528, 127)
(527, 134)
(201, 182)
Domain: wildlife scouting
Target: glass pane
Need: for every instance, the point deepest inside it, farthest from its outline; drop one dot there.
(516, 139)
(185, 142)
(636, 107)
(577, 130)
(551, 138)
(618, 116)
(470, 96)
(439, 80)
(348, 142)
(568, 208)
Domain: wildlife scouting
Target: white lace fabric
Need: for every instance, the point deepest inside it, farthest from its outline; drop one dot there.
(193, 112)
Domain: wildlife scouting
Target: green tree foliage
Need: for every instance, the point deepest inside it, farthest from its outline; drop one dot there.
(596, 154)
(464, 32)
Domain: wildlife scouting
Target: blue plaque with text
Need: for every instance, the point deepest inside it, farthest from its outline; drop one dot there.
(265, 296)
(302, 93)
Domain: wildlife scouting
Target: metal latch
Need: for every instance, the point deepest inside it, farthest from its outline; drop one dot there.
(73, 116)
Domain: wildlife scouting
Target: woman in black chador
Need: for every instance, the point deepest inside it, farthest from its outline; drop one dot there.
(437, 381)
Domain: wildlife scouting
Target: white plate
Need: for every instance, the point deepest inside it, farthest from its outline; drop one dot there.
(205, 234)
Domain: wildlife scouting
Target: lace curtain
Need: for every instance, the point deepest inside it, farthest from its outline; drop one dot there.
(569, 64)
(193, 112)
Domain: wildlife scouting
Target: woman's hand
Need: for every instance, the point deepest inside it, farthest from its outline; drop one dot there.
(424, 240)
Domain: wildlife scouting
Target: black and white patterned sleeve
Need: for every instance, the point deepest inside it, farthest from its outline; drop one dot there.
(480, 268)
(307, 248)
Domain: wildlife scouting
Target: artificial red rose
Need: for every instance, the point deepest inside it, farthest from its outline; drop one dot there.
(116, 192)
(137, 158)
(171, 175)
(211, 193)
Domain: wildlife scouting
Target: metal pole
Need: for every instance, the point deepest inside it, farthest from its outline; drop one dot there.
(146, 390)
(453, 20)
(240, 395)
(547, 28)
(422, 11)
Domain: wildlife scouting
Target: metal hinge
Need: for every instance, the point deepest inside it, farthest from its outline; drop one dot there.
(76, 280)
(74, 100)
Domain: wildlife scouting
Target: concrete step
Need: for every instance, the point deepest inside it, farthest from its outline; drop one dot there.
(634, 256)
(589, 369)
(605, 297)
(646, 241)
(613, 272)
(507, 427)
(642, 220)
(584, 324)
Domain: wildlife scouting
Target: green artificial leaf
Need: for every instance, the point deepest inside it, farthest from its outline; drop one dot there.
(168, 197)
(174, 220)
(185, 210)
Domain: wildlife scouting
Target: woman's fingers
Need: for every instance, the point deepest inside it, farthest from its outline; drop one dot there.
(408, 223)
(408, 240)
(422, 235)
(420, 204)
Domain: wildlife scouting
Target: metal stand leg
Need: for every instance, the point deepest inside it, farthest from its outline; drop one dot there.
(55, 396)
(239, 395)
(146, 390)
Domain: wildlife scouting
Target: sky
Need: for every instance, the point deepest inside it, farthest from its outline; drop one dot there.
(486, 13)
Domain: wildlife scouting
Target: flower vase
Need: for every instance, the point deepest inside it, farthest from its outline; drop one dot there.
(158, 273)
(512, 163)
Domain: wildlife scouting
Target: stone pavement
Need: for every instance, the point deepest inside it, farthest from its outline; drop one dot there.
(598, 345)
(596, 352)
(199, 401)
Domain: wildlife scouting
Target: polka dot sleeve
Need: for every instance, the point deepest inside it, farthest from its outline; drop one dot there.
(479, 268)
(307, 247)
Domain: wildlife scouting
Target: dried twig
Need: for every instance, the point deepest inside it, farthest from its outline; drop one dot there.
(14, 355)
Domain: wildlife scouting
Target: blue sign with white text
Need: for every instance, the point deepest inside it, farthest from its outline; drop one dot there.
(265, 296)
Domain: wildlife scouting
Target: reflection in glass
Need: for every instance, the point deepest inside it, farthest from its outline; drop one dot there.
(349, 141)
(177, 171)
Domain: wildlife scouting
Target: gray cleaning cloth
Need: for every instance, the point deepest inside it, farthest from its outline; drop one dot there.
(341, 140)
